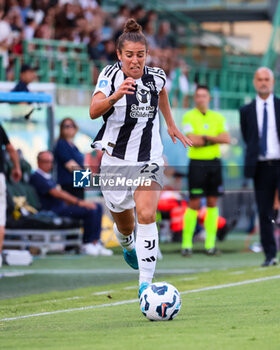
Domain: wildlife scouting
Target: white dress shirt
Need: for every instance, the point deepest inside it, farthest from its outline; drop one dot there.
(273, 145)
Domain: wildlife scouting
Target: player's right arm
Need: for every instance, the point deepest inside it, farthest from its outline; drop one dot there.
(100, 104)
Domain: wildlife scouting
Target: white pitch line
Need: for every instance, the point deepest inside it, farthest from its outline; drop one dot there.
(131, 287)
(188, 279)
(60, 300)
(70, 310)
(231, 284)
(74, 298)
(236, 272)
(98, 271)
(13, 274)
(102, 293)
(221, 286)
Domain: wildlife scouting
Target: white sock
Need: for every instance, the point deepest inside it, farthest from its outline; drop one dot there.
(126, 242)
(147, 251)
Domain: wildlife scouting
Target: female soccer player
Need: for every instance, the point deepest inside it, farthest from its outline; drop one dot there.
(128, 95)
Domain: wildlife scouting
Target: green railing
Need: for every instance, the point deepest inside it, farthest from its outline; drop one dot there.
(271, 57)
(230, 88)
(58, 61)
(182, 5)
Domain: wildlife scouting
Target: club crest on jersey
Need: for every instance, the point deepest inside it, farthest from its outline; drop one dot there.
(103, 83)
(143, 94)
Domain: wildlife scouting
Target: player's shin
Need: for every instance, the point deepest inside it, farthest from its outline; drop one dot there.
(127, 242)
(147, 250)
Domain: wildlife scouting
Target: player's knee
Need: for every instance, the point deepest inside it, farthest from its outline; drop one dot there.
(126, 230)
(146, 216)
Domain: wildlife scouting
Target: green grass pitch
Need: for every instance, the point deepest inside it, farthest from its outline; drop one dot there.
(228, 302)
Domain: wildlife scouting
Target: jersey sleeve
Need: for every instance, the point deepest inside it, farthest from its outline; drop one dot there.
(3, 137)
(160, 78)
(186, 124)
(104, 82)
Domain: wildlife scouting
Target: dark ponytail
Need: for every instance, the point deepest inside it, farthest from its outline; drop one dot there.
(132, 32)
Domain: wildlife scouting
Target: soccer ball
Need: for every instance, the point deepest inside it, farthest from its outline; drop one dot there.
(160, 301)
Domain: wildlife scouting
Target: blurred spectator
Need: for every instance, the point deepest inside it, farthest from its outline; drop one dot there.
(44, 31)
(163, 38)
(43, 5)
(27, 75)
(94, 47)
(16, 175)
(149, 32)
(64, 204)
(12, 5)
(179, 87)
(14, 19)
(68, 157)
(25, 7)
(65, 20)
(81, 31)
(121, 17)
(109, 53)
(30, 26)
(93, 13)
(5, 39)
(150, 16)
(139, 14)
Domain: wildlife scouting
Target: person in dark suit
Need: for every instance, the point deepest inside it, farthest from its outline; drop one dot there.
(260, 128)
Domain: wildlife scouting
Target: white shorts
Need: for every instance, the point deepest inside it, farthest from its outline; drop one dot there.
(3, 200)
(126, 177)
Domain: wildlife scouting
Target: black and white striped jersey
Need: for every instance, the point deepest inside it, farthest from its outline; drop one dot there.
(131, 127)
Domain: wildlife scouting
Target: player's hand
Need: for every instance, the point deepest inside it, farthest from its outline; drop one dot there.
(174, 133)
(16, 174)
(127, 88)
(87, 205)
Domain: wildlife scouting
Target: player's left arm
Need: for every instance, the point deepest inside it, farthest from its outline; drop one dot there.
(172, 129)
